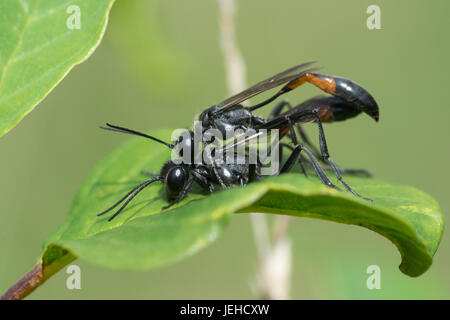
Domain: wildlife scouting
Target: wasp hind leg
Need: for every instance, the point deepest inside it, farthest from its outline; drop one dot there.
(326, 156)
(319, 171)
(295, 156)
(276, 111)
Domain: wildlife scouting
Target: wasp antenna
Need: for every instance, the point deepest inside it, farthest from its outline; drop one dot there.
(134, 192)
(136, 133)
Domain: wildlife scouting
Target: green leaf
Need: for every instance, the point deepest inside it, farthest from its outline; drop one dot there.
(142, 237)
(37, 49)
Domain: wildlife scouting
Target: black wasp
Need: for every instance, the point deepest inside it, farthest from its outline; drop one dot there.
(178, 178)
(348, 100)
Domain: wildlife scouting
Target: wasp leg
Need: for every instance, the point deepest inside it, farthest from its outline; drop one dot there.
(286, 122)
(326, 167)
(295, 141)
(280, 154)
(214, 166)
(326, 155)
(203, 181)
(349, 171)
(181, 195)
(277, 111)
(319, 171)
(301, 158)
(328, 109)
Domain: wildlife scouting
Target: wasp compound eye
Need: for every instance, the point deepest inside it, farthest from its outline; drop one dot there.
(175, 180)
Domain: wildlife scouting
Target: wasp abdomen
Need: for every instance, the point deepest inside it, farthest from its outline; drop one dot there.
(348, 90)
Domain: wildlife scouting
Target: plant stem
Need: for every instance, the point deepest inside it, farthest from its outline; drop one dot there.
(35, 277)
(26, 285)
(274, 256)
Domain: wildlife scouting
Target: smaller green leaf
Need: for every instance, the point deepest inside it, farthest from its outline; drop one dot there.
(143, 237)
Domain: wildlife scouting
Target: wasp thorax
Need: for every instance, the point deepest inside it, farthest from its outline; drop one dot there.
(207, 116)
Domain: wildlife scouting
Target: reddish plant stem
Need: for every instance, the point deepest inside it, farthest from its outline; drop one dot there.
(35, 277)
(26, 285)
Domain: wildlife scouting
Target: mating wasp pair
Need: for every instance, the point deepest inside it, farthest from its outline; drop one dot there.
(347, 100)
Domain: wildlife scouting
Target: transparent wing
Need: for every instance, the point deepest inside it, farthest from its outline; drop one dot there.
(269, 83)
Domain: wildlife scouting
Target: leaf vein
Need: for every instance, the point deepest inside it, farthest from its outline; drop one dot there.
(42, 76)
(19, 43)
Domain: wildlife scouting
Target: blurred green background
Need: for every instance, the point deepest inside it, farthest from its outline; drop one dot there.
(160, 64)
